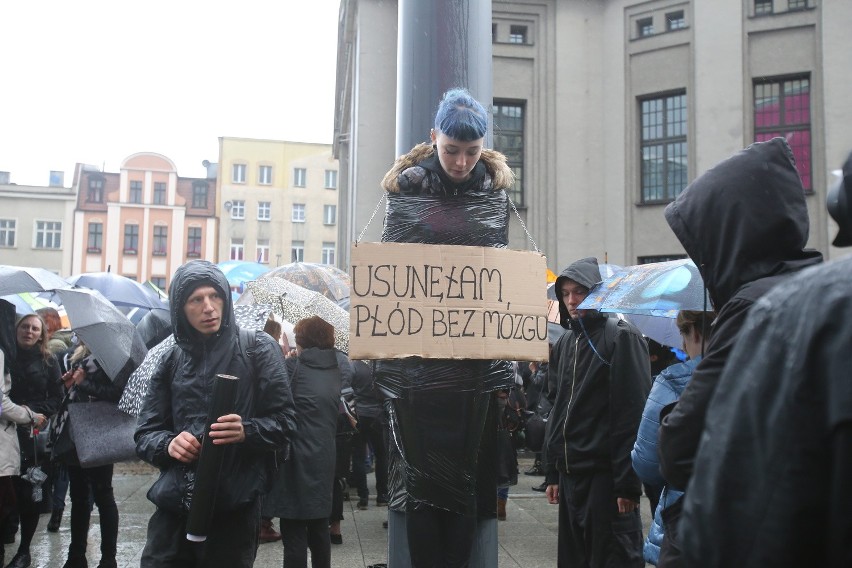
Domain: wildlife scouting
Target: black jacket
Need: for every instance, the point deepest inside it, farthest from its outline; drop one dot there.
(36, 382)
(303, 486)
(180, 389)
(745, 224)
(772, 476)
(598, 406)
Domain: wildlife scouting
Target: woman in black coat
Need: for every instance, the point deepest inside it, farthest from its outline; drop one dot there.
(301, 496)
(35, 385)
(85, 381)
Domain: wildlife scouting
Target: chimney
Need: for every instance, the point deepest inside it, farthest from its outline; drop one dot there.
(4, 178)
(57, 179)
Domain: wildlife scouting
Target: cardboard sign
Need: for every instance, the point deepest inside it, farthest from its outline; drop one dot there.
(447, 302)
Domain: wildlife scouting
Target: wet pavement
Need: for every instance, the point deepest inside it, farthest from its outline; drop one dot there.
(527, 539)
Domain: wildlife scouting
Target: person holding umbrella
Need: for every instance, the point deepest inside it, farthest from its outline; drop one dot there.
(85, 380)
(36, 386)
(174, 417)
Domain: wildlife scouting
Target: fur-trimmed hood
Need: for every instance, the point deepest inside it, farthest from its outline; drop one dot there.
(495, 163)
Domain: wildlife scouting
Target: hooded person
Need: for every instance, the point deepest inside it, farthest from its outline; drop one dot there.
(771, 482)
(174, 417)
(602, 373)
(745, 224)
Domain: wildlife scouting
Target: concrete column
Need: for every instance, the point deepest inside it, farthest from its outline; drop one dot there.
(441, 44)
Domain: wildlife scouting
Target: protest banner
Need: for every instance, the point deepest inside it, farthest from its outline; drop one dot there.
(447, 302)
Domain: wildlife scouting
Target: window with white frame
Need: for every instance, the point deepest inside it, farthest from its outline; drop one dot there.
(329, 214)
(161, 240)
(299, 177)
(96, 238)
(517, 34)
(193, 242)
(297, 251)
(7, 232)
(238, 209)
(645, 27)
(328, 253)
(262, 255)
(237, 249)
(238, 173)
(298, 213)
(135, 195)
(675, 21)
(48, 234)
(159, 193)
(264, 175)
(264, 210)
(331, 179)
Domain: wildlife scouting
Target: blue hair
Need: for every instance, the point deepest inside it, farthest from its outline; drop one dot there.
(460, 116)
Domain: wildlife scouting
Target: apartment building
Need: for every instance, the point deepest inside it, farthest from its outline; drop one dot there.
(277, 201)
(143, 221)
(36, 224)
(607, 110)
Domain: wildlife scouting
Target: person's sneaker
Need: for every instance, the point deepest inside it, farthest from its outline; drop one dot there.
(381, 501)
(542, 487)
(534, 470)
(362, 504)
(336, 538)
(55, 520)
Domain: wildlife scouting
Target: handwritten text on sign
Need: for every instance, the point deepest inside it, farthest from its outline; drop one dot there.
(447, 302)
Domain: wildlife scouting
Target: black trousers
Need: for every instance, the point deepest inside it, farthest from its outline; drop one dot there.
(592, 533)
(98, 481)
(439, 538)
(299, 535)
(232, 542)
(370, 431)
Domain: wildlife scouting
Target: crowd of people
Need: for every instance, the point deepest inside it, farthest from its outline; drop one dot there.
(741, 446)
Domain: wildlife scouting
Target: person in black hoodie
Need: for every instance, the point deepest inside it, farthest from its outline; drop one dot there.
(174, 417)
(745, 224)
(602, 373)
(771, 483)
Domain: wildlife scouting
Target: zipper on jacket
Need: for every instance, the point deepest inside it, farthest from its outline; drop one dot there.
(568, 410)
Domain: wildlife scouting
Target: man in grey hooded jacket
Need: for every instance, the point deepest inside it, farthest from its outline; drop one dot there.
(602, 371)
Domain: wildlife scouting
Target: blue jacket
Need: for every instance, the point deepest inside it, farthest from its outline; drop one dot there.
(667, 387)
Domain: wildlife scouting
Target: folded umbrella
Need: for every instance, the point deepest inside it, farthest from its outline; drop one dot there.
(110, 336)
(16, 279)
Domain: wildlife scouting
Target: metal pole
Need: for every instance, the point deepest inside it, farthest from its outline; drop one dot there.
(441, 44)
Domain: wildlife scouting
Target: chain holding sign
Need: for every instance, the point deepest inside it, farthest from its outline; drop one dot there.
(446, 302)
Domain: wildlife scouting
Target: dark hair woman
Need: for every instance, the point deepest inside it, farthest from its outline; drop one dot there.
(301, 495)
(36, 387)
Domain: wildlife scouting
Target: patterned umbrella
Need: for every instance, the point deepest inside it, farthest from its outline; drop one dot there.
(329, 281)
(248, 317)
(293, 303)
(656, 289)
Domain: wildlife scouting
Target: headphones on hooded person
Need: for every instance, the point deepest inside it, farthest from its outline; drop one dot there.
(839, 203)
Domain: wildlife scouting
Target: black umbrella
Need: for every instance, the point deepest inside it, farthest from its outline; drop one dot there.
(154, 327)
(16, 279)
(110, 336)
(120, 290)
